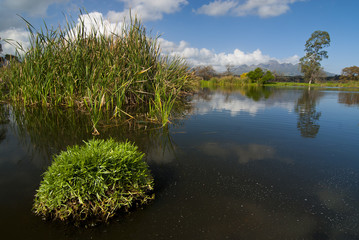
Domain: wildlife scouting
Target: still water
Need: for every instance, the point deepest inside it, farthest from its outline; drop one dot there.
(243, 164)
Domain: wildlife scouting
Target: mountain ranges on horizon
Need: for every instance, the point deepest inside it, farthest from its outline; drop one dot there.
(284, 69)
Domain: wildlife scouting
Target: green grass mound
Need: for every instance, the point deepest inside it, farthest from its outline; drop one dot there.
(94, 181)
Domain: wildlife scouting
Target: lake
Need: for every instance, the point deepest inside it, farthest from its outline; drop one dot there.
(251, 163)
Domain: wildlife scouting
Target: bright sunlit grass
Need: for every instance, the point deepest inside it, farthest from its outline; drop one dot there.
(94, 181)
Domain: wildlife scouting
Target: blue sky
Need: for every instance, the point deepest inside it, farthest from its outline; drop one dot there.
(213, 32)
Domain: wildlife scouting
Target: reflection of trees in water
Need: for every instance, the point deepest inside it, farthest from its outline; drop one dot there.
(4, 119)
(308, 116)
(349, 98)
(204, 94)
(256, 92)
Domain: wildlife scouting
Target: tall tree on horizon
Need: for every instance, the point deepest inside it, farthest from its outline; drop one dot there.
(310, 63)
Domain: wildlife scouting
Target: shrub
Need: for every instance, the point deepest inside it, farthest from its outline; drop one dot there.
(259, 76)
(95, 180)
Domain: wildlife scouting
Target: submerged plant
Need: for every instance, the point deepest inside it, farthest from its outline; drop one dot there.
(95, 180)
(94, 70)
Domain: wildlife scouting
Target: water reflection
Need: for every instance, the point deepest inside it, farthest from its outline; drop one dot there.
(349, 98)
(338, 198)
(257, 92)
(243, 153)
(44, 132)
(244, 99)
(308, 117)
(234, 168)
(4, 119)
(253, 92)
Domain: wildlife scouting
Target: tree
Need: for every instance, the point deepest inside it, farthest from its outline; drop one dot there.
(205, 72)
(267, 76)
(244, 75)
(258, 76)
(350, 73)
(310, 63)
(229, 68)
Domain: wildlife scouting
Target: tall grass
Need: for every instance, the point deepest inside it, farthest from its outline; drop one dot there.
(95, 71)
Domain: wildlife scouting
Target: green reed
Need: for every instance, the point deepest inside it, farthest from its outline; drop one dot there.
(94, 181)
(94, 71)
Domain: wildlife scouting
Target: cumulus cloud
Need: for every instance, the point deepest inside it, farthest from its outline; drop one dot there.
(9, 9)
(91, 21)
(262, 8)
(96, 21)
(147, 10)
(32, 7)
(202, 57)
(293, 59)
(217, 8)
(14, 36)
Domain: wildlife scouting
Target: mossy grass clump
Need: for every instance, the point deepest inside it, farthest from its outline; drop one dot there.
(94, 181)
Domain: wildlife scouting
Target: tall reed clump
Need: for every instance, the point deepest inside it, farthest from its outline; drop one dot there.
(94, 181)
(97, 71)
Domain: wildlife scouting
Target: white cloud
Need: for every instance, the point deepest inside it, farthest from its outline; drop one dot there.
(14, 35)
(293, 59)
(147, 10)
(32, 7)
(217, 8)
(198, 57)
(96, 21)
(93, 20)
(9, 9)
(262, 8)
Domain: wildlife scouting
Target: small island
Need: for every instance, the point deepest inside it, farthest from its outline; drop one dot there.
(94, 181)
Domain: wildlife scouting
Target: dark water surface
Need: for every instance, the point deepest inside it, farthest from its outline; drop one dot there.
(246, 164)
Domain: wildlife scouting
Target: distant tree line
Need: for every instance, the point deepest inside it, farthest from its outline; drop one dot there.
(258, 75)
(350, 73)
(309, 65)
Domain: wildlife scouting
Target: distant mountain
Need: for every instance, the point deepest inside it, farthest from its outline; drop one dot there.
(285, 69)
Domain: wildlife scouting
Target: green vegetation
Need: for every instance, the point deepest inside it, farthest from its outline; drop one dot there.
(224, 80)
(204, 72)
(96, 72)
(252, 78)
(350, 73)
(259, 76)
(310, 63)
(333, 84)
(94, 181)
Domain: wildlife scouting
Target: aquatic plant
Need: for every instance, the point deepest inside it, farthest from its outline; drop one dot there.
(95, 180)
(95, 71)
